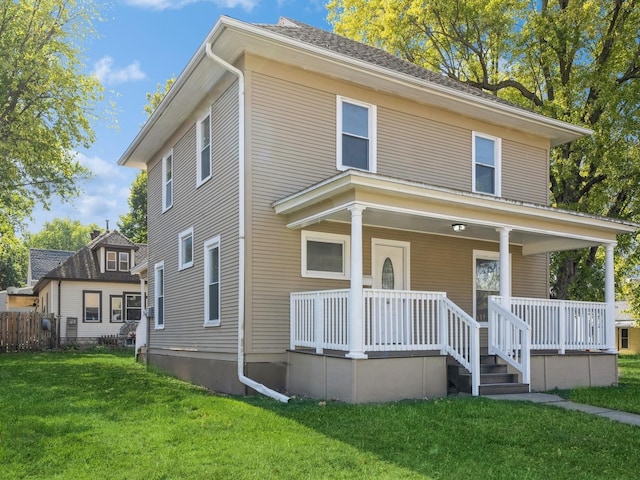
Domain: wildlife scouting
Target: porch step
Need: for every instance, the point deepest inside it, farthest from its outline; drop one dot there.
(494, 377)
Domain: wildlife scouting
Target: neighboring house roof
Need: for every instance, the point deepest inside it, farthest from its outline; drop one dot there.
(624, 317)
(42, 261)
(85, 264)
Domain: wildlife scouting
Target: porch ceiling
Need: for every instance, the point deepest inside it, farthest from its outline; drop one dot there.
(402, 205)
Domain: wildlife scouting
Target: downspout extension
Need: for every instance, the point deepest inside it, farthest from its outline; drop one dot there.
(259, 387)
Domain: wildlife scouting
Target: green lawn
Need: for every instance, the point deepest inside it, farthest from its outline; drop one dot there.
(101, 416)
(626, 396)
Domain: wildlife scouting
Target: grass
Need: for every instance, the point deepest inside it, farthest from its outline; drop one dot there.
(99, 415)
(625, 397)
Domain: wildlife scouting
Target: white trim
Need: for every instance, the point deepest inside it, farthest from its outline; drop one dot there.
(165, 205)
(200, 180)
(406, 257)
(497, 166)
(181, 237)
(343, 240)
(485, 255)
(209, 245)
(156, 294)
(372, 133)
(128, 262)
(106, 266)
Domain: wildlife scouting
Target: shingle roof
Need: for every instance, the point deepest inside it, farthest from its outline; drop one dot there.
(351, 48)
(43, 261)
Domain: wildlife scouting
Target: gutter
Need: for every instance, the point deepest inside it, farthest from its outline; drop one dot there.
(259, 387)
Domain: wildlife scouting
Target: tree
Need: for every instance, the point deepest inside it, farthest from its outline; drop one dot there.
(61, 234)
(13, 258)
(573, 60)
(134, 224)
(45, 102)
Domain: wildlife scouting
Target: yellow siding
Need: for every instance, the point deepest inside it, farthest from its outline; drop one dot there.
(634, 341)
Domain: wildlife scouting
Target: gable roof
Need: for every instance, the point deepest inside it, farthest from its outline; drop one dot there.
(42, 261)
(85, 264)
(326, 53)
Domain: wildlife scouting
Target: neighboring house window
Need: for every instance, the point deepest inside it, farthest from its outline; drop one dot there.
(204, 149)
(325, 255)
(132, 306)
(185, 249)
(356, 136)
(123, 259)
(167, 182)
(91, 306)
(486, 152)
(111, 261)
(624, 338)
(159, 295)
(115, 308)
(212, 282)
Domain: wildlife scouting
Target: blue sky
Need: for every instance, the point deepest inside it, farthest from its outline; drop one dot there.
(141, 44)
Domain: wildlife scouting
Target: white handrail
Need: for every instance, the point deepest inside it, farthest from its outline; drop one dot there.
(510, 339)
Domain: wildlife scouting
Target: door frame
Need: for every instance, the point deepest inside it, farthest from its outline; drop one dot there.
(485, 255)
(406, 247)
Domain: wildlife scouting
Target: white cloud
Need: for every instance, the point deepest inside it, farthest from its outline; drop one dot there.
(108, 75)
(100, 168)
(246, 5)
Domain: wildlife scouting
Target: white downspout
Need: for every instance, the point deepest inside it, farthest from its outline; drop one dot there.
(259, 387)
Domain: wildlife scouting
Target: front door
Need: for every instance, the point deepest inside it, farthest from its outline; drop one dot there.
(486, 282)
(390, 271)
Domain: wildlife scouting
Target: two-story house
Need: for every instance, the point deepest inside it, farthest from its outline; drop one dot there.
(327, 219)
(93, 292)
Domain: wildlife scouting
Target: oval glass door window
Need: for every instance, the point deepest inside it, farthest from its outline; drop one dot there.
(388, 277)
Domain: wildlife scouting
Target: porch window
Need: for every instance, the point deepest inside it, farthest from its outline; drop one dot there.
(486, 153)
(111, 261)
(624, 338)
(356, 136)
(167, 182)
(212, 282)
(325, 255)
(92, 306)
(159, 295)
(185, 248)
(204, 149)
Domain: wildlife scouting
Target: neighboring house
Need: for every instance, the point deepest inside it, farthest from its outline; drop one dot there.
(627, 330)
(326, 219)
(93, 292)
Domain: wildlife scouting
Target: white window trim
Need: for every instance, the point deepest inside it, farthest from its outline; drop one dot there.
(181, 236)
(210, 245)
(157, 267)
(485, 255)
(373, 167)
(345, 240)
(166, 207)
(115, 261)
(497, 161)
(128, 262)
(200, 180)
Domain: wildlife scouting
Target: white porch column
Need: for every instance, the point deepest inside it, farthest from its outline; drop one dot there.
(610, 297)
(356, 320)
(505, 267)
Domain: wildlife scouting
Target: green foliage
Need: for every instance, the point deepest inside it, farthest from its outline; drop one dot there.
(45, 102)
(134, 224)
(13, 258)
(154, 99)
(573, 60)
(61, 234)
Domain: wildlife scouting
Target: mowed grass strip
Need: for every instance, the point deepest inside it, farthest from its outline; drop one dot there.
(101, 415)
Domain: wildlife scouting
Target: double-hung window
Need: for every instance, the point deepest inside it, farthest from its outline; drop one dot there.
(92, 306)
(159, 294)
(111, 261)
(167, 182)
(133, 306)
(325, 255)
(115, 308)
(212, 282)
(204, 149)
(486, 151)
(356, 135)
(185, 249)
(123, 261)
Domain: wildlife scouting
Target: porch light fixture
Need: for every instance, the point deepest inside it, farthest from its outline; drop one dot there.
(459, 227)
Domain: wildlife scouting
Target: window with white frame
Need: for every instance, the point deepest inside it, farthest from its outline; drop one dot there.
(159, 295)
(115, 308)
(92, 306)
(112, 261)
(212, 282)
(123, 261)
(167, 182)
(204, 149)
(185, 249)
(486, 151)
(356, 135)
(325, 255)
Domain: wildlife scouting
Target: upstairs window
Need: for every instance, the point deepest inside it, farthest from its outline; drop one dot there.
(123, 261)
(486, 152)
(356, 136)
(167, 182)
(185, 249)
(204, 149)
(112, 266)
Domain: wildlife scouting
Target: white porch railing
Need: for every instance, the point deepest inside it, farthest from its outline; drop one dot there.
(562, 324)
(510, 339)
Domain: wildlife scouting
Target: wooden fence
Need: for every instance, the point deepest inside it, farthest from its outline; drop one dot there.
(27, 331)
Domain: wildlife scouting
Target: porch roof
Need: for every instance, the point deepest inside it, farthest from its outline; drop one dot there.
(406, 205)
